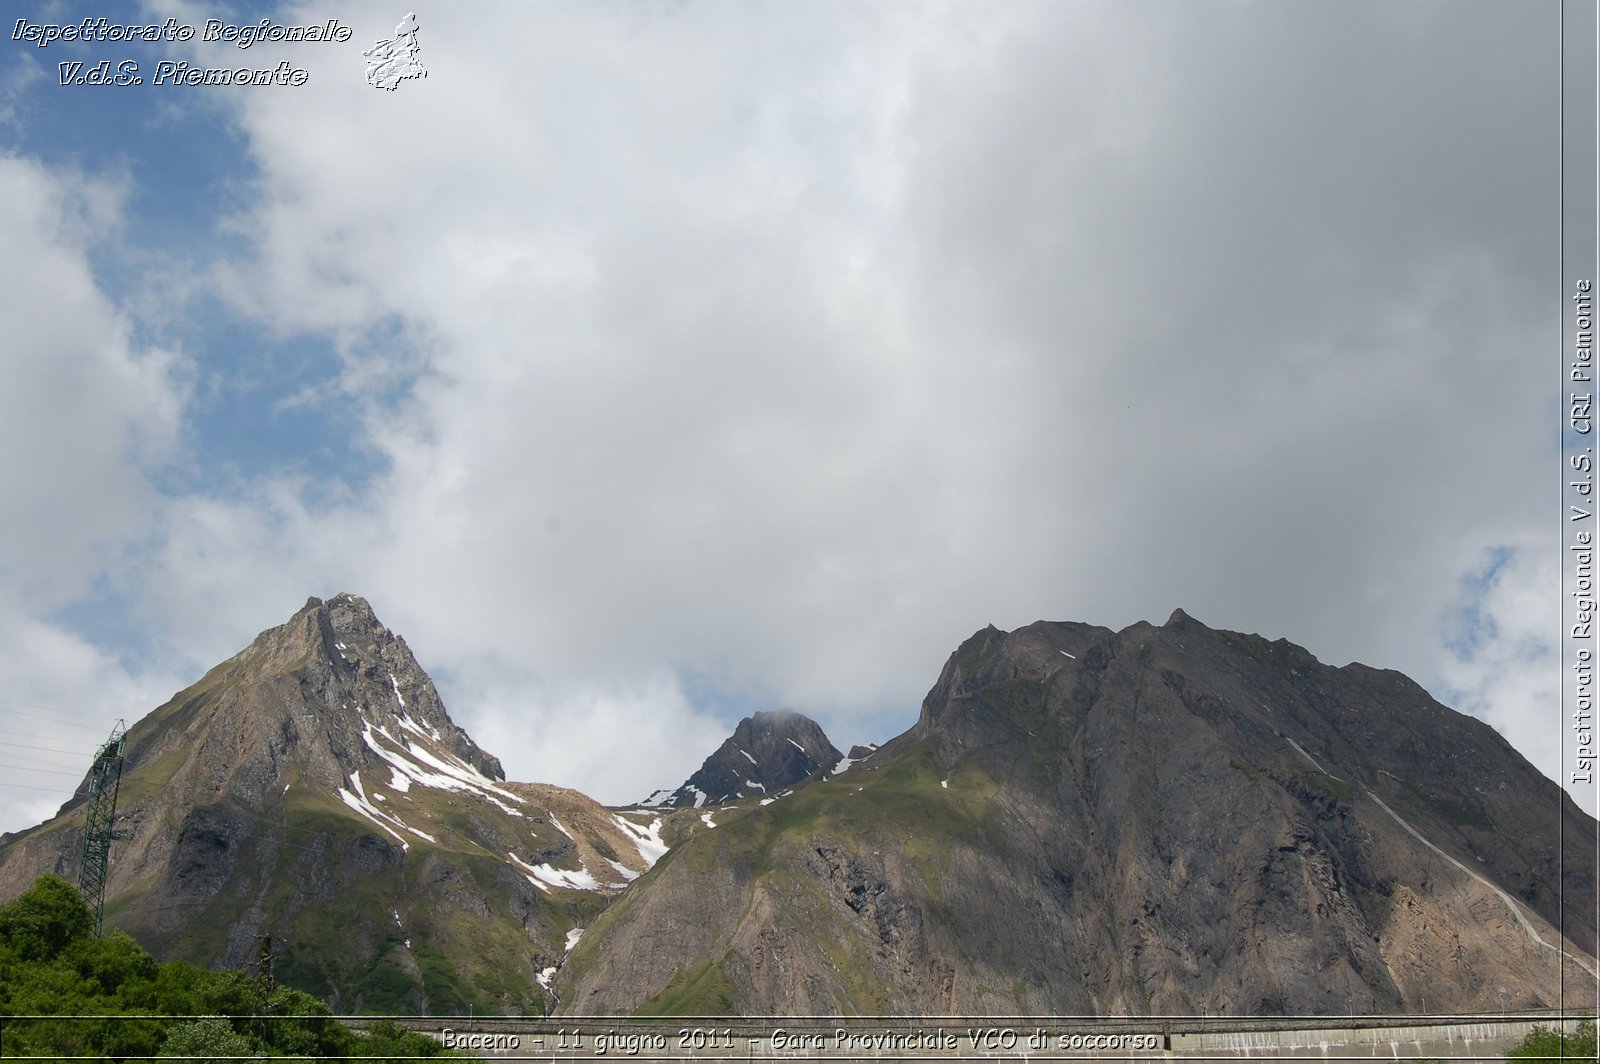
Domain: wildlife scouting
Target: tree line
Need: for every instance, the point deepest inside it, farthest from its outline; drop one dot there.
(66, 993)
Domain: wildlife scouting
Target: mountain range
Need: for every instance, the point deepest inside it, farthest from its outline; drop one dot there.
(1160, 820)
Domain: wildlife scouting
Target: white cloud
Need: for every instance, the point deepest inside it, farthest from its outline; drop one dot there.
(791, 344)
(18, 76)
(1505, 668)
(91, 411)
(623, 739)
(808, 358)
(86, 416)
(62, 698)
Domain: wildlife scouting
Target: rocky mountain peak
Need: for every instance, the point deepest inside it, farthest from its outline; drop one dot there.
(313, 787)
(768, 752)
(389, 683)
(331, 696)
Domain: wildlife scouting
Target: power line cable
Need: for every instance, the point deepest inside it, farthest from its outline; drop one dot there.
(56, 710)
(52, 720)
(31, 788)
(31, 768)
(89, 754)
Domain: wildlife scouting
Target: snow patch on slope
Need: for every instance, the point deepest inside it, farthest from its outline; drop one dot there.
(544, 977)
(440, 774)
(646, 840)
(430, 732)
(546, 876)
(358, 801)
(1302, 752)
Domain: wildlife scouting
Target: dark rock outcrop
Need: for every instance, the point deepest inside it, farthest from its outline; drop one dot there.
(766, 753)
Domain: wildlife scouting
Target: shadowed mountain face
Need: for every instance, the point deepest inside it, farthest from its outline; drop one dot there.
(1165, 820)
(1162, 820)
(766, 754)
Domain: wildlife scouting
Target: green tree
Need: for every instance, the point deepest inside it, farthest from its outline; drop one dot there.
(385, 1038)
(228, 993)
(176, 989)
(115, 965)
(107, 997)
(210, 1039)
(1545, 1042)
(44, 919)
(300, 1025)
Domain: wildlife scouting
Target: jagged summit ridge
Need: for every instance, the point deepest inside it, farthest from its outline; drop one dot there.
(767, 752)
(360, 675)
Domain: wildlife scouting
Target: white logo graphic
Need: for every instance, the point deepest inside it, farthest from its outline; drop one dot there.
(392, 61)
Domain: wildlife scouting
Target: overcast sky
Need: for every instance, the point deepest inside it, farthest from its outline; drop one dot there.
(651, 363)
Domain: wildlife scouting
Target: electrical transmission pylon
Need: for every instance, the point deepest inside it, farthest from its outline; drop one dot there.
(104, 779)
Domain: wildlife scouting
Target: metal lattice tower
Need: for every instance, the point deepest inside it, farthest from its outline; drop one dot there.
(104, 779)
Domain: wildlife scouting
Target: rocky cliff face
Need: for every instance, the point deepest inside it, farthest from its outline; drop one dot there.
(313, 788)
(766, 754)
(1162, 820)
